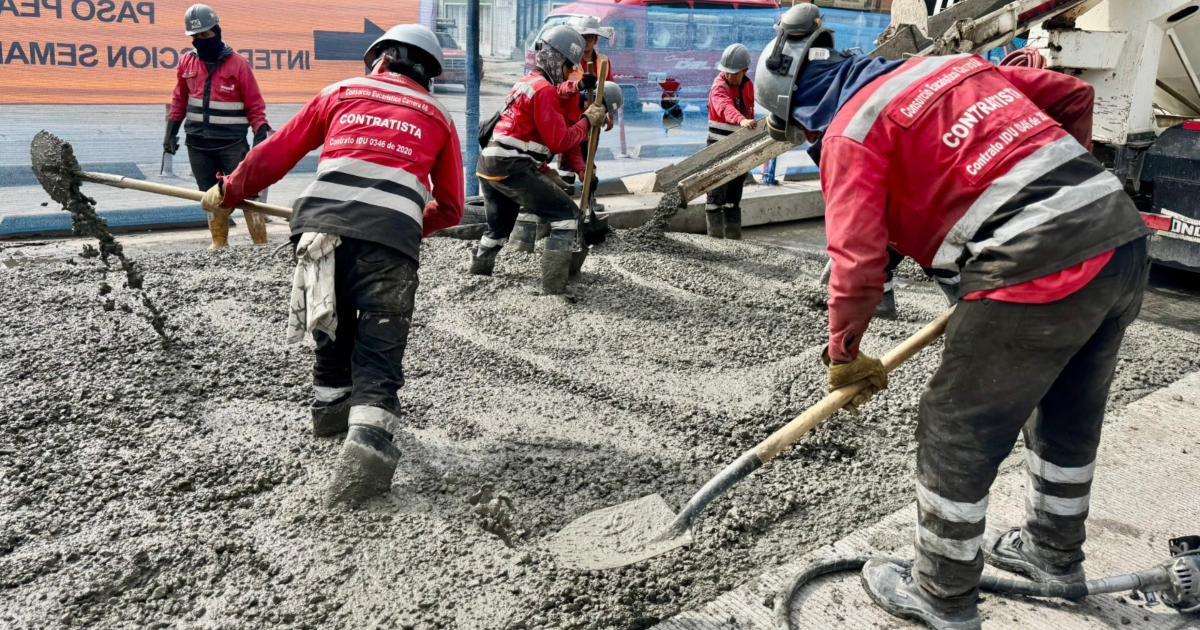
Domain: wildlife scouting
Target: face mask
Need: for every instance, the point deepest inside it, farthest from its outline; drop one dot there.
(209, 49)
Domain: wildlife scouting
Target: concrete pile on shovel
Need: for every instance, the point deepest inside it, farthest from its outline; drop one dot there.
(644, 528)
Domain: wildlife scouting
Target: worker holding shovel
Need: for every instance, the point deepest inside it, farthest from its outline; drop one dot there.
(390, 173)
(986, 171)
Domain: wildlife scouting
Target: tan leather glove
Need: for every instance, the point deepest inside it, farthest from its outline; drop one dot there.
(595, 114)
(864, 368)
(211, 202)
(560, 182)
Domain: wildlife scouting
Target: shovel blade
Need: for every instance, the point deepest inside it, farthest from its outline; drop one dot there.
(617, 536)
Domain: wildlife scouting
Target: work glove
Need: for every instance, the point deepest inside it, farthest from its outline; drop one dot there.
(211, 201)
(595, 114)
(749, 123)
(560, 182)
(171, 138)
(262, 133)
(588, 82)
(863, 368)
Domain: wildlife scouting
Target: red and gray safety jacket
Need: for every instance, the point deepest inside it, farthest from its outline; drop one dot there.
(221, 106)
(531, 130)
(728, 106)
(388, 148)
(962, 165)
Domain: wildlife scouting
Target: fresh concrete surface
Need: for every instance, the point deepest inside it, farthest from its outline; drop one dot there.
(1146, 491)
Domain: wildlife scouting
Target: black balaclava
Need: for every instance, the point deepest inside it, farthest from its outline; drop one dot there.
(209, 50)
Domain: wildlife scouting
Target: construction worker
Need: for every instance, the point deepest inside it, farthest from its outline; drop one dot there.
(216, 101)
(985, 171)
(584, 77)
(390, 173)
(730, 107)
(513, 167)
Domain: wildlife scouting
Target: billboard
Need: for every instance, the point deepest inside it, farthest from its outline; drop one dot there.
(126, 51)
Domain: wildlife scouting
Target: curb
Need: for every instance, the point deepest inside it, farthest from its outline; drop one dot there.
(59, 223)
(22, 174)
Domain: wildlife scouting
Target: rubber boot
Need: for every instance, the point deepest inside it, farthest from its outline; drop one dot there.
(218, 226)
(524, 233)
(950, 291)
(330, 418)
(1006, 550)
(365, 465)
(577, 260)
(716, 222)
(887, 306)
(256, 223)
(556, 260)
(483, 260)
(733, 223)
(893, 588)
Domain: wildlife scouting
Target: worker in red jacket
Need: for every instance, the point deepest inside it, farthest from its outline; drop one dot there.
(964, 166)
(730, 107)
(513, 170)
(584, 77)
(390, 173)
(216, 101)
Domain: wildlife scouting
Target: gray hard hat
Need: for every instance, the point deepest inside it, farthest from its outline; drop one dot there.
(614, 97)
(735, 59)
(199, 18)
(565, 40)
(411, 35)
(590, 25)
(799, 36)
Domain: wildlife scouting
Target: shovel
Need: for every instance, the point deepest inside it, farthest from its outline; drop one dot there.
(644, 528)
(595, 229)
(55, 165)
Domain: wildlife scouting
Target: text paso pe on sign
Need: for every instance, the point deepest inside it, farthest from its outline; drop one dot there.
(126, 51)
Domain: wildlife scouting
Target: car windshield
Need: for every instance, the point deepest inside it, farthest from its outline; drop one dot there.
(445, 41)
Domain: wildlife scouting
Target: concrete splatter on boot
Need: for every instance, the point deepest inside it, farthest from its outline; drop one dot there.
(368, 459)
(733, 223)
(256, 223)
(524, 233)
(483, 259)
(887, 305)
(218, 226)
(1007, 550)
(895, 590)
(715, 219)
(556, 259)
(331, 411)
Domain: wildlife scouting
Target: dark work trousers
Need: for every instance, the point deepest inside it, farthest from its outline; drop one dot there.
(944, 276)
(206, 163)
(727, 198)
(1002, 362)
(376, 287)
(528, 189)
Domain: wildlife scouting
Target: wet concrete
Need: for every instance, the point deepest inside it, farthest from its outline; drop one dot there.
(151, 487)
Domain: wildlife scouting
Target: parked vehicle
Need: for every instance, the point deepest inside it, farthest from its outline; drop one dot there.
(454, 67)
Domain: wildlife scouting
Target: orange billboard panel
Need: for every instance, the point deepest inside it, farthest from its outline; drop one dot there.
(126, 51)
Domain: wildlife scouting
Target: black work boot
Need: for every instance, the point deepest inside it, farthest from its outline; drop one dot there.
(887, 306)
(330, 418)
(716, 222)
(556, 260)
(1006, 550)
(895, 590)
(365, 465)
(483, 260)
(524, 233)
(733, 223)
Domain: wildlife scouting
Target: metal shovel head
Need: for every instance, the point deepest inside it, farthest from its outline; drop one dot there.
(617, 536)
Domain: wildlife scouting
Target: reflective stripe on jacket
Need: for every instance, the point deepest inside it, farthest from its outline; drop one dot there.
(225, 107)
(531, 130)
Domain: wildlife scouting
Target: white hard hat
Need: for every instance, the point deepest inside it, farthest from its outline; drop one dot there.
(412, 35)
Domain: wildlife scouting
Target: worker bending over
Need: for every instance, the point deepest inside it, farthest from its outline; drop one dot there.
(730, 107)
(390, 173)
(216, 101)
(513, 167)
(1053, 263)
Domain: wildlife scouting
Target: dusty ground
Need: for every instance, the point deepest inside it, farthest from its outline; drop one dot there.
(143, 486)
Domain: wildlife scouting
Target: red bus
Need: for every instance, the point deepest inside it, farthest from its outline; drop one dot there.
(669, 48)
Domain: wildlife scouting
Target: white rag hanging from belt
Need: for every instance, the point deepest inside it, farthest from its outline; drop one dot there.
(314, 302)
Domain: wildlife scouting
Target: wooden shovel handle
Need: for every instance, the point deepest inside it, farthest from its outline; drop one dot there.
(116, 181)
(818, 413)
(593, 138)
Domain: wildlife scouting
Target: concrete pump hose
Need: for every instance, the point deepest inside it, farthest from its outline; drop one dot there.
(1027, 57)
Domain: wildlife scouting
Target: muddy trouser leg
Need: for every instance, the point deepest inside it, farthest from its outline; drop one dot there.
(714, 212)
(332, 382)
(540, 196)
(1000, 362)
(501, 211)
(1061, 442)
(733, 208)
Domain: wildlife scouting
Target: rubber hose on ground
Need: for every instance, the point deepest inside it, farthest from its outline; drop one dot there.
(1004, 586)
